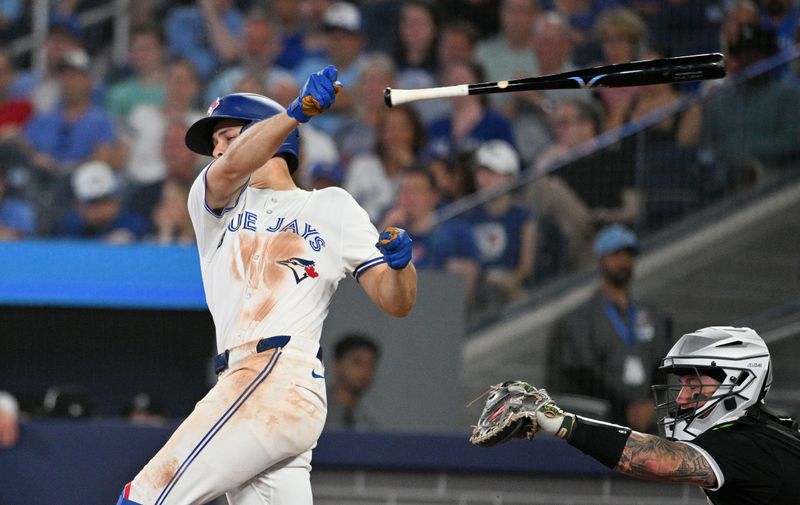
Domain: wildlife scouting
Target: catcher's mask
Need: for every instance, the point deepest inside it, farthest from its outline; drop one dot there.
(713, 376)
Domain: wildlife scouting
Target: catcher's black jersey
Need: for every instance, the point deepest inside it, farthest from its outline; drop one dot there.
(760, 464)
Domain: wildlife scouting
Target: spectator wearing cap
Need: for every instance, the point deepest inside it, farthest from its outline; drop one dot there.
(98, 213)
(208, 33)
(77, 130)
(344, 30)
(751, 121)
(505, 232)
(609, 347)
(326, 175)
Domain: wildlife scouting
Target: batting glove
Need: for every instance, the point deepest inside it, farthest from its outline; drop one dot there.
(395, 245)
(318, 94)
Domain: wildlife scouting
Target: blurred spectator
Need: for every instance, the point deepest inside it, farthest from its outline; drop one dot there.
(471, 121)
(415, 50)
(484, 13)
(345, 49)
(17, 217)
(354, 362)
(67, 401)
(98, 212)
(147, 123)
(44, 90)
(610, 346)
(623, 38)
(453, 174)
(457, 42)
(77, 130)
(260, 48)
(11, 13)
(316, 146)
(682, 129)
(15, 110)
(580, 16)
(358, 134)
(373, 178)
(314, 38)
(529, 111)
(289, 16)
(143, 410)
(783, 18)
(505, 232)
(171, 214)
(181, 165)
(146, 56)
(752, 120)
(325, 175)
(450, 247)
(508, 55)
(9, 420)
(208, 34)
(739, 13)
(590, 191)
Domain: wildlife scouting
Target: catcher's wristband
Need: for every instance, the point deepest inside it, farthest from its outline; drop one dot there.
(602, 441)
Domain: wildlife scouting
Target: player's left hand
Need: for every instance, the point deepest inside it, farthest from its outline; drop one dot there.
(395, 245)
(318, 94)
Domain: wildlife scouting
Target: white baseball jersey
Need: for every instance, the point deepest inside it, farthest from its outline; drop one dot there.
(270, 262)
(273, 259)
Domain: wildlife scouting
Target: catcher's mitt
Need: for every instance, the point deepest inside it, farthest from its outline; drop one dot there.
(510, 412)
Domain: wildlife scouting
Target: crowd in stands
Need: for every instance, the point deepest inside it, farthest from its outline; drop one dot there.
(90, 149)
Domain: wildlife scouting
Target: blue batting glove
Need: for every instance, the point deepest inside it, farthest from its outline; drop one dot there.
(317, 95)
(395, 245)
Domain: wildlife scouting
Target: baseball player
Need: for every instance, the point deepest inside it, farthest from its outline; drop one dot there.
(718, 433)
(271, 256)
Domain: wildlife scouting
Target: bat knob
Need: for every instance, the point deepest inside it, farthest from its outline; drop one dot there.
(387, 97)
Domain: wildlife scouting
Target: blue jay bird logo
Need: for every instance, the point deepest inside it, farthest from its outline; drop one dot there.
(301, 268)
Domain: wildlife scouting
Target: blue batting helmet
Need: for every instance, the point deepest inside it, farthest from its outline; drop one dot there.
(247, 107)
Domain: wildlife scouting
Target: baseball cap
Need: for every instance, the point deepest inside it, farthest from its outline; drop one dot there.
(613, 238)
(342, 16)
(498, 156)
(331, 171)
(94, 180)
(76, 59)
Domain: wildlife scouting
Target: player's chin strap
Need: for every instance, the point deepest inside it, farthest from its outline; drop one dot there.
(602, 441)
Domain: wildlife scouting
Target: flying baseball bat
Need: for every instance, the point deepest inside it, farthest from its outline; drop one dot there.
(696, 67)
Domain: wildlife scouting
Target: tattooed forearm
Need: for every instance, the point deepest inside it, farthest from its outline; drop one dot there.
(655, 458)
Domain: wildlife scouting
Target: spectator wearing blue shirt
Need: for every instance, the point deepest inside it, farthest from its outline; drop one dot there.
(450, 246)
(98, 212)
(77, 130)
(505, 232)
(472, 121)
(207, 33)
(17, 218)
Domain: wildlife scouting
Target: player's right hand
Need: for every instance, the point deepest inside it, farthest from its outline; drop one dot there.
(318, 94)
(395, 245)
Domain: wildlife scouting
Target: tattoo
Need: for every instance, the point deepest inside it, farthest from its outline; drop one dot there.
(655, 458)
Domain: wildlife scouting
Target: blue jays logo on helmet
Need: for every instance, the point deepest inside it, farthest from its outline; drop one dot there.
(301, 268)
(213, 107)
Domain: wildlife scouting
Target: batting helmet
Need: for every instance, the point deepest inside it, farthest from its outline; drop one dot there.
(247, 107)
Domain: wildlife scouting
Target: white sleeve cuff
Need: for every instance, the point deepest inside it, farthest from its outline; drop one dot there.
(711, 462)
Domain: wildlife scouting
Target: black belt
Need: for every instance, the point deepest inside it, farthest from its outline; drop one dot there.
(265, 344)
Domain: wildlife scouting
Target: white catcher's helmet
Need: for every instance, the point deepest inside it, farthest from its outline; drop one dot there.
(737, 357)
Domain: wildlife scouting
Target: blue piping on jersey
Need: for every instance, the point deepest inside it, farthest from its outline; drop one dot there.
(225, 209)
(261, 377)
(360, 269)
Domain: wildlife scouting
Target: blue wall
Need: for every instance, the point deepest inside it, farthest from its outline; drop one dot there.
(91, 274)
(80, 463)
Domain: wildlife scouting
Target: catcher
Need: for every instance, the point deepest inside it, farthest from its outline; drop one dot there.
(717, 433)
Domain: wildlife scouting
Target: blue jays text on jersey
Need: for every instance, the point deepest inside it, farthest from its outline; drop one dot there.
(247, 221)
